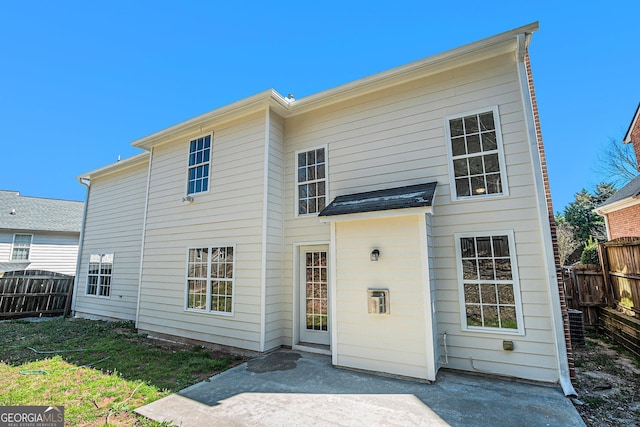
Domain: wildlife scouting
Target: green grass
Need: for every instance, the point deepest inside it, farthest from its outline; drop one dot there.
(99, 371)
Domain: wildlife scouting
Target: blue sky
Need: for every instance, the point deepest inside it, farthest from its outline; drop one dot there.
(79, 81)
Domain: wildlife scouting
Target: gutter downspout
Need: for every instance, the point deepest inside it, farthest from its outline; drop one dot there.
(552, 280)
(144, 232)
(87, 184)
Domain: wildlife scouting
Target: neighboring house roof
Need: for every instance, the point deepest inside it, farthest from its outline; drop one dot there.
(13, 266)
(629, 194)
(411, 196)
(37, 214)
(627, 136)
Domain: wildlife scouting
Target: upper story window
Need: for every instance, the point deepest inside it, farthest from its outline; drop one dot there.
(311, 179)
(21, 246)
(210, 276)
(199, 160)
(477, 161)
(99, 275)
(488, 280)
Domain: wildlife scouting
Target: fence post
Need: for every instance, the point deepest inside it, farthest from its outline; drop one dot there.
(603, 255)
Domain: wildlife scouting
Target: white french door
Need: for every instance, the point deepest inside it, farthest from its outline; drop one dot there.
(314, 294)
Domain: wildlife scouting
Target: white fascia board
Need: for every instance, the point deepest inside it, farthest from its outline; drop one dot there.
(232, 111)
(492, 46)
(378, 214)
(620, 204)
(116, 166)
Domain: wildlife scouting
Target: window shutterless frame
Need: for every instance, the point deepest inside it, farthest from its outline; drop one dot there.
(99, 275)
(488, 282)
(21, 247)
(477, 168)
(210, 279)
(311, 177)
(200, 150)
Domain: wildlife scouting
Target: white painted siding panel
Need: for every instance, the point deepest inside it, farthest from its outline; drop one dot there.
(114, 221)
(230, 213)
(397, 137)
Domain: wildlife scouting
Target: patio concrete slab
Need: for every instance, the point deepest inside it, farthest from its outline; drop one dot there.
(291, 388)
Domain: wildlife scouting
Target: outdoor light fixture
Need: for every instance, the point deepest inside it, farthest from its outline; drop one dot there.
(375, 254)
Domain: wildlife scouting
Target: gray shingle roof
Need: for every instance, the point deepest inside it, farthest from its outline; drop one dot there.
(411, 196)
(37, 214)
(632, 189)
(13, 266)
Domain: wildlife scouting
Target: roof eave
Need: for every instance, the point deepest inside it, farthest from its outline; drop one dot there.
(389, 213)
(116, 166)
(232, 111)
(492, 46)
(618, 205)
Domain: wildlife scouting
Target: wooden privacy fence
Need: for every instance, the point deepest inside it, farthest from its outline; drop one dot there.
(34, 293)
(620, 261)
(585, 291)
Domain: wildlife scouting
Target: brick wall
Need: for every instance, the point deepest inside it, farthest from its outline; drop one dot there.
(625, 222)
(635, 140)
(554, 237)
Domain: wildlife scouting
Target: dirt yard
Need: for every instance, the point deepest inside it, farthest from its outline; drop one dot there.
(608, 383)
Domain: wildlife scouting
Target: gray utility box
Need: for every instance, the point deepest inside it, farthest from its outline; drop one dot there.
(378, 300)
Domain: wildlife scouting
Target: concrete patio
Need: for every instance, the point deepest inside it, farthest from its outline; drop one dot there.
(292, 388)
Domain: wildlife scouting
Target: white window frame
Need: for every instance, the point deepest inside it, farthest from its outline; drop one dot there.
(207, 163)
(500, 151)
(515, 280)
(208, 280)
(297, 183)
(100, 275)
(14, 247)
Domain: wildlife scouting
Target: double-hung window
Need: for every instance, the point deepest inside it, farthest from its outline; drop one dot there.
(311, 181)
(199, 165)
(488, 280)
(21, 247)
(210, 279)
(476, 155)
(99, 275)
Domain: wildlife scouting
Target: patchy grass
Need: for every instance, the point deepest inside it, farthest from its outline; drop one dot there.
(99, 371)
(608, 383)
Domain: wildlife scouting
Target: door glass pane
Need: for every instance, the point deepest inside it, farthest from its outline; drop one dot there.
(316, 291)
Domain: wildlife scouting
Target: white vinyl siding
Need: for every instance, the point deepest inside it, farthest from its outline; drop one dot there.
(276, 288)
(115, 213)
(231, 211)
(21, 247)
(49, 251)
(397, 137)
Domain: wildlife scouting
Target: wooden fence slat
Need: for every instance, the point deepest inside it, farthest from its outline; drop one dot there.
(35, 293)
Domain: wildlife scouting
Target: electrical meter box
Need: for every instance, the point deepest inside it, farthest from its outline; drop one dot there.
(378, 301)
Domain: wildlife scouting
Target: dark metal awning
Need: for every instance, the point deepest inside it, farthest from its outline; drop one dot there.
(411, 196)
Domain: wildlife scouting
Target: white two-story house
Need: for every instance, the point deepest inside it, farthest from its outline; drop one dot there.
(38, 233)
(400, 223)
